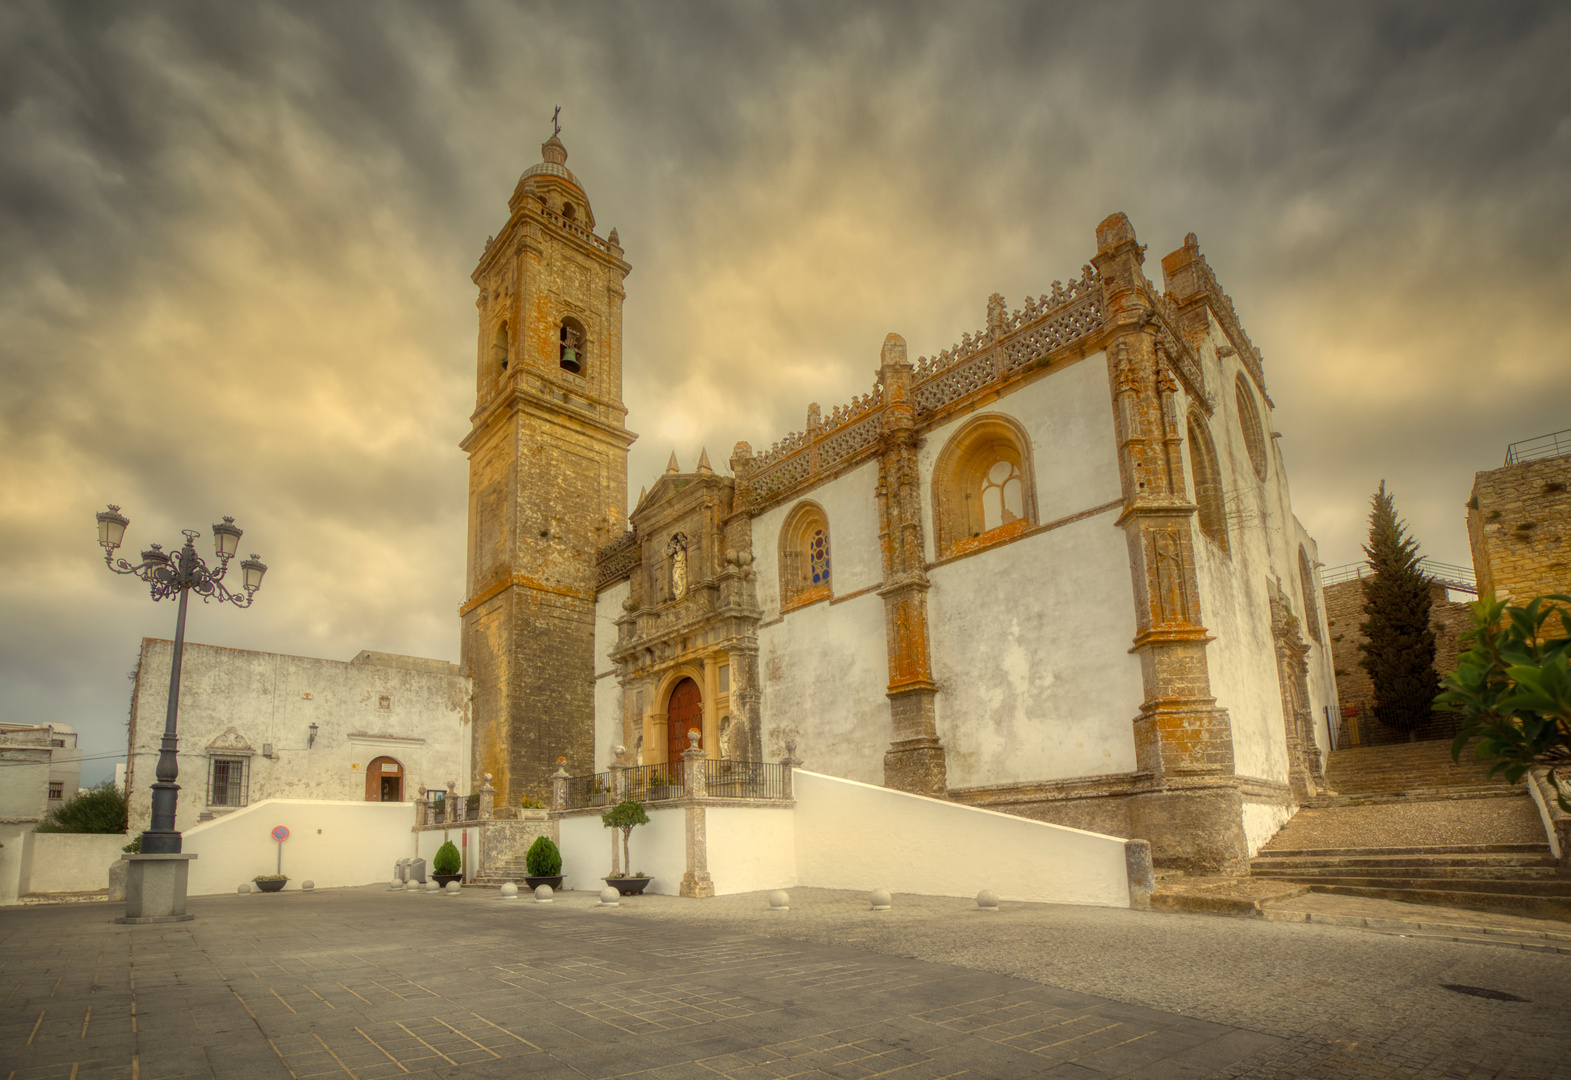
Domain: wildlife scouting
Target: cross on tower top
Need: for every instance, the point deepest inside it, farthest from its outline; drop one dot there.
(556, 123)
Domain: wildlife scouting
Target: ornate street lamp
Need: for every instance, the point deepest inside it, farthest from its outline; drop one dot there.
(170, 574)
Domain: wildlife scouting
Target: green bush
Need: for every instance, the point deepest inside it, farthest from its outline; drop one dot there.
(100, 810)
(544, 859)
(446, 860)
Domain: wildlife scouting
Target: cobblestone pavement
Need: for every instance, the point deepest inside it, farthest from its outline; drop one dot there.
(370, 984)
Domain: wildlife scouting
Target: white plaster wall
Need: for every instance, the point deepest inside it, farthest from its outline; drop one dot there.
(608, 691)
(825, 672)
(1068, 416)
(70, 862)
(858, 836)
(13, 852)
(1030, 645)
(426, 841)
(659, 849)
(24, 766)
(330, 843)
(1262, 821)
(751, 848)
(855, 560)
(272, 698)
(1322, 672)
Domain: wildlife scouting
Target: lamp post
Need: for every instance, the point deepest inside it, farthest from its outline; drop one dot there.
(168, 575)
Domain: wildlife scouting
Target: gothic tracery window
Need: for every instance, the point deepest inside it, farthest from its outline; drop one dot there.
(983, 490)
(805, 566)
(1207, 477)
(1249, 420)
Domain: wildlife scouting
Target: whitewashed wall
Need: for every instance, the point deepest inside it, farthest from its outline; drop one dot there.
(659, 849)
(850, 504)
(751, 848)
(857, 836)
(1030, 640)
(330, 843)
(271, 698)
(69, 862)
(608, 691)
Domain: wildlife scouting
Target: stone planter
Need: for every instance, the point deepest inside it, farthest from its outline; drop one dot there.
(270, 886)
(443, 879)
(536, 882)
(534, 815)
(628, 886)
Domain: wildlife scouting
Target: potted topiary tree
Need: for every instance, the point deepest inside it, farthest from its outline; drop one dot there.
(625, 817)
(446, 864)
(545, 864)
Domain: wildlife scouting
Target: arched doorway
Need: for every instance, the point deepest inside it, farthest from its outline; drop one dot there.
(384, 780)
(684, 713)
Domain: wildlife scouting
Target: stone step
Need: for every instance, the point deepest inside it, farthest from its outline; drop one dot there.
(1539, 906)
(1404, 795)
(1550, 889)
(1544, 859)
(1434, 872)
(1438, 849)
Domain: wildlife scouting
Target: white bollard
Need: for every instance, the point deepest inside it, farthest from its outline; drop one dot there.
(779, 900)
(987, 900)
(433, 886)
(543, 894)
(609, 897)
(452, 888)
(307, 885)
(509, 891)
(879, 899)
(244, 888)
(413, 886)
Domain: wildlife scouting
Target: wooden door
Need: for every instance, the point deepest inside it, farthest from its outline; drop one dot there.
(377, 775)
(685, 712)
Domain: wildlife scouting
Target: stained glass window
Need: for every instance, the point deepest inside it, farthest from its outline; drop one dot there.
(818, 557)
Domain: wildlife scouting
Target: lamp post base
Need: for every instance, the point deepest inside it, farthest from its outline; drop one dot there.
(155, 888)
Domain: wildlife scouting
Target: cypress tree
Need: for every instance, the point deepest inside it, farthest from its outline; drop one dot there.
(1399, 652)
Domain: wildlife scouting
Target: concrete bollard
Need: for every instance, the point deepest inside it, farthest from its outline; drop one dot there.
(509, 891)
(453, 888)
(543, 894)
(245, 887)
(987, 900)
(433, 886)
(307, 885)
(1142, 875)
(879, 899)
(396, 884)
(779, 900)
(413, 886)
(609, 897)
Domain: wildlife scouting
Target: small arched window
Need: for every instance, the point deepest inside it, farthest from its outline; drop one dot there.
(805, 566)
(983, 489)
(1249, 420)
(499, 348)
(1207, 477)
(1306, 585)
(569, 211)
(572, 339)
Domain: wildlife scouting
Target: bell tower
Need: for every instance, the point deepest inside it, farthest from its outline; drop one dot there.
(547, 450)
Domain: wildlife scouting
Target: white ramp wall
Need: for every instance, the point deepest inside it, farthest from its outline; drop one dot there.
(330, 843)
(857, 836)
(659, 849)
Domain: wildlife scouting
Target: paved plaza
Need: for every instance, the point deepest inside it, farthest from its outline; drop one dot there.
(372, 984)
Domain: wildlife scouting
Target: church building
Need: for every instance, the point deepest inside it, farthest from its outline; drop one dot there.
(1051, 570)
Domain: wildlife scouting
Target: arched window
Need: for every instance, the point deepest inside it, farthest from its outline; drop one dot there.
(1306, 585)
(983, 487)
(804, 556)
(1249, 420)
(572, 339)
(569, 211)
(499, 348)
(1207, 479)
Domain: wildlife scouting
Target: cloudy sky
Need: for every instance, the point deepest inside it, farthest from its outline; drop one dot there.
(237, 241)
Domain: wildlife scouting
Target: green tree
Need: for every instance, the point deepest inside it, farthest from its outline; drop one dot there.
(1513, 687)
(1399, 652)
(625, 816)
(97, 810)
(447, 860)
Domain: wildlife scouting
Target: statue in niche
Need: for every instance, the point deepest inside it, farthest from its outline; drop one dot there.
(676, 551)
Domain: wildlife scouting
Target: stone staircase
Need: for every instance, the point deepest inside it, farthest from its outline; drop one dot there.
(499, 875)
(1408, 824)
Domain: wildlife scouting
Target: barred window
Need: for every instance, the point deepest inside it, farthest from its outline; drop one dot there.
(57, 789)
(226, 785)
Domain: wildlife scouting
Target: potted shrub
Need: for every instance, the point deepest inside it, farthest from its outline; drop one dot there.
(545, 864)
(446, 864)
(601, 795)
(624, 817)
(661, 786)
(269, 882)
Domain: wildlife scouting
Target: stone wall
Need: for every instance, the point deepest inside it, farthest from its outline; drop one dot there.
(1344, 616)
(1519, 527)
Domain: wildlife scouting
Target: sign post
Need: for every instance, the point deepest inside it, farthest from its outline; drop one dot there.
(280, 833)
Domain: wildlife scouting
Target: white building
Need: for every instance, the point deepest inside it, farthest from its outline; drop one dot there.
(57, 774)
(258, 725)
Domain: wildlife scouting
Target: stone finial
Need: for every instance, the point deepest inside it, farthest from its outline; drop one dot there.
(671, 466)
(704, 467)
(814, 416)
(693, 735)
(614, 240)
(995, 313)
(791, 759)
(742, 459)
(894, 351)
(1114, 230)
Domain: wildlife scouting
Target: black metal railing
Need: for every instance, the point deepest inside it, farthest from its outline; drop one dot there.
(723, 779)
(726, 779)
(655, 783)
(591, 789)
(1554, 444)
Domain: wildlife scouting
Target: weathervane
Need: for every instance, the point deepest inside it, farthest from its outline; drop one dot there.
(556, 123)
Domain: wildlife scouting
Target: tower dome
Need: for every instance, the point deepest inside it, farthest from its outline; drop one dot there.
(551, 181)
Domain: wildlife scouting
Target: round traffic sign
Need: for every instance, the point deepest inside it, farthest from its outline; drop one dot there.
(280, 832)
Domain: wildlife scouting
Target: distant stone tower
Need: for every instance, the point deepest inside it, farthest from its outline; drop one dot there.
(547, 478)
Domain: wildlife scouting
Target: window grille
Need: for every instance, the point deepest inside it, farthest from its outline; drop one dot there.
(228, 782)
(57, 790)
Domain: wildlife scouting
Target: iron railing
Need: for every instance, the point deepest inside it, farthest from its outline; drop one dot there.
(726, 779)
(1554, 444)
(1450, 575)
(723, 779)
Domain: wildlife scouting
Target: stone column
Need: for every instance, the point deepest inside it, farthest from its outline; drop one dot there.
(487, 798)
(619, 775)
(788, 765)
(451, 803)
(915, 759)
(420, 809)
(1190, 809)
(696, 881)
(559, 785)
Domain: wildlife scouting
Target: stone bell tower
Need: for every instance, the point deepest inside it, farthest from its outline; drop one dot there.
(547, 478)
